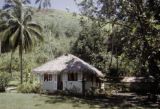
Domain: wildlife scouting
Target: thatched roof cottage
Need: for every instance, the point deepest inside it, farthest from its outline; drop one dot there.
(68, 72)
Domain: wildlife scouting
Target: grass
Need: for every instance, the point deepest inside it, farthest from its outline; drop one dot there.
(36, 101)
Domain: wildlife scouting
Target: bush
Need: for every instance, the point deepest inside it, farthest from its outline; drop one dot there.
(4, 80)
(96, 92)
(29, 88)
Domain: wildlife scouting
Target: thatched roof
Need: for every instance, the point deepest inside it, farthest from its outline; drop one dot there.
(67, 63)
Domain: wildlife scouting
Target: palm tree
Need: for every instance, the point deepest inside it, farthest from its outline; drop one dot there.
(19, 30)
(43, 3)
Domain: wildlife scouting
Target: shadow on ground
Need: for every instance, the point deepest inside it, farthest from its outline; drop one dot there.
(120, 101)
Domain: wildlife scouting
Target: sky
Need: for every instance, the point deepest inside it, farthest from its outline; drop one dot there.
(58, 4)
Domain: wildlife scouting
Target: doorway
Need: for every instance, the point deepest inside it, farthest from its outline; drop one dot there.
(59, 82)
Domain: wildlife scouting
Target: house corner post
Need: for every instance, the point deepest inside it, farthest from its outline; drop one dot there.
(83, 84)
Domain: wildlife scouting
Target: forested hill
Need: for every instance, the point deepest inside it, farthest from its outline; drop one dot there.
(58, 22)
(60, 31)
(60, 28)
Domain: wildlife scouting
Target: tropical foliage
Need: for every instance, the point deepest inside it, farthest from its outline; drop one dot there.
(18, 30)
(29, 88)
(4, 80)
(119, 37)
(136, 33)
(43, 3)
(91, 46)
(53, 46)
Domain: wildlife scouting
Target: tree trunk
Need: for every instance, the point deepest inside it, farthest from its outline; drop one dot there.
(21, 44)
(0, 47)
(111, 55)
(21, 66)
(21, 59)
(10, 70)
(117, 60)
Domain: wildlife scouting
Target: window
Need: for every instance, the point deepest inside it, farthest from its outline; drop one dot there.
(47, 77)
(72, 76)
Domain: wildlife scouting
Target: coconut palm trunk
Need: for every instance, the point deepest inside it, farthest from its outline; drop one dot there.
(0, 47)
(10, 70)
(21, 63)
(21, 43)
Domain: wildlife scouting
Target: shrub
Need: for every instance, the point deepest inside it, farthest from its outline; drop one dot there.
(29, 88)
(96, 92)
(4, 80)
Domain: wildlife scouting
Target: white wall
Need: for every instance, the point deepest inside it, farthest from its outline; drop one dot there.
(88, 85)
(49, 85)
(74, 86)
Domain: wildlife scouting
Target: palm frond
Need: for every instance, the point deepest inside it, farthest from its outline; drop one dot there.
(43, 3)
(28, 42)
(37, 1)
(29, 36)
(26, 2)
(3, 26)
(16, 2)
(7, 6)
(37, 34)
(6, 33)
(5, 15)
(35, 26)
(10, 4)
(14, 37)
(28, 18)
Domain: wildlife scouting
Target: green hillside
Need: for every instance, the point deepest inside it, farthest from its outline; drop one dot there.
(58, 20)
(61, 29)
